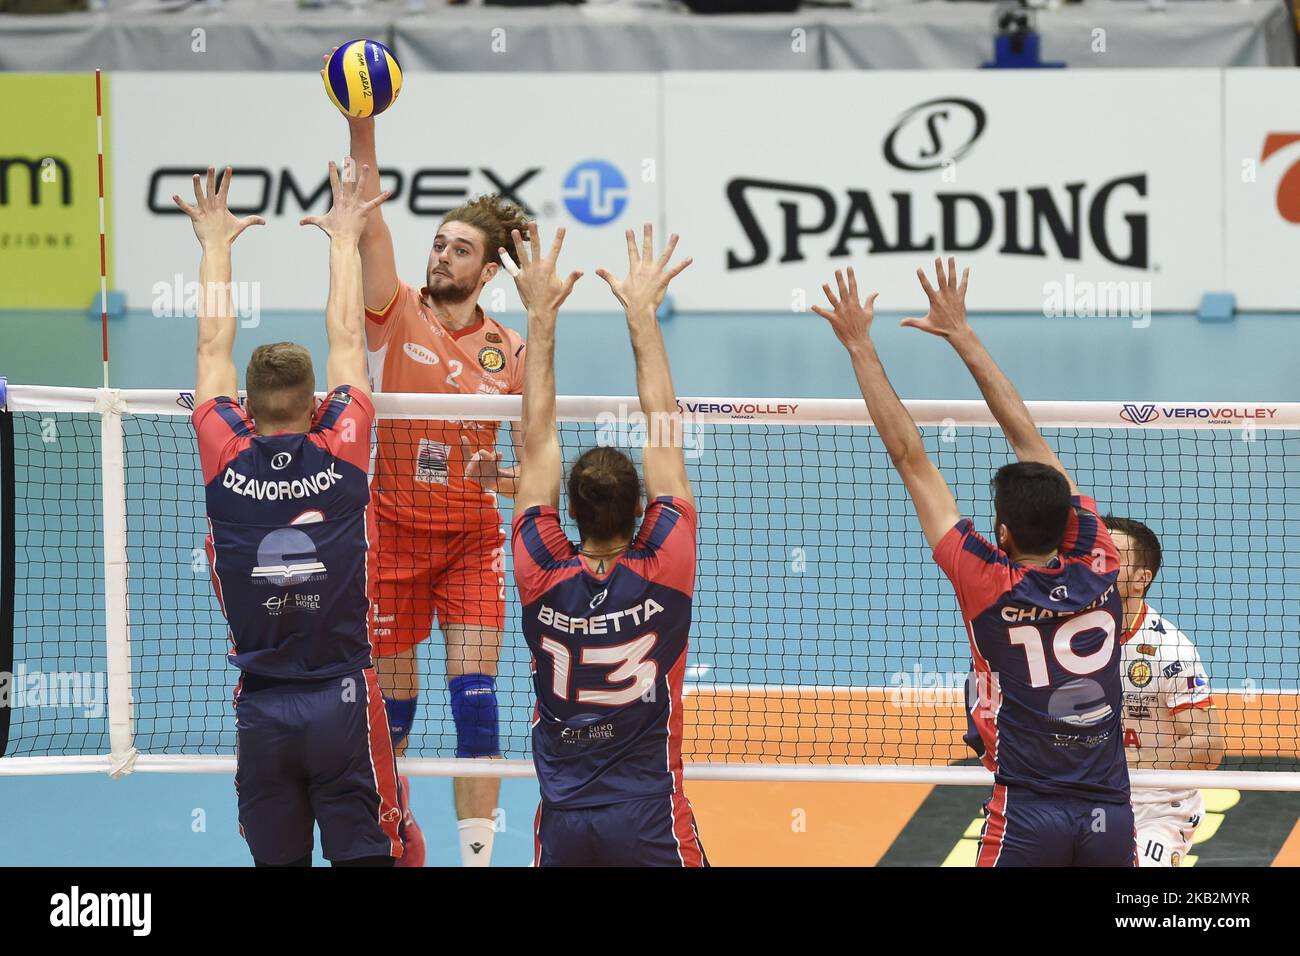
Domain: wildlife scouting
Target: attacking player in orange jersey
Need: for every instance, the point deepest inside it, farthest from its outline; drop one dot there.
(438, 534)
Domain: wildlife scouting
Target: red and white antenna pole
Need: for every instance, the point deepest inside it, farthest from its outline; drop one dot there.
(103, 243)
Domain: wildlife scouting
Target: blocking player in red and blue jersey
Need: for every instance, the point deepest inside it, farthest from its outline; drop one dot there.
(607, 620)
(287, 501)
(1041, 608)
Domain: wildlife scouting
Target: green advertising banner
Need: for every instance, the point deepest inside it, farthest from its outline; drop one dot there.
(49, 190)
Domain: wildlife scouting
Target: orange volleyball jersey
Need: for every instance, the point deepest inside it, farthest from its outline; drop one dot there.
(420, 466)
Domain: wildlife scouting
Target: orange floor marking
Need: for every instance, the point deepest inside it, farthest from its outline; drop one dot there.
(843, 824)
(853, 824)
(1289, 855)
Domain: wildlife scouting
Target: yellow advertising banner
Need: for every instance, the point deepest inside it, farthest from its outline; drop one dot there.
(49, 190)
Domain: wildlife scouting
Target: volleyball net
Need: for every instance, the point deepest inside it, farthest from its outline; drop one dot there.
(825, 642)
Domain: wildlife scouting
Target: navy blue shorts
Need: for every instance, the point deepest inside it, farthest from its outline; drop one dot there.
(315, 752)
(654, 831)
(1025, 828)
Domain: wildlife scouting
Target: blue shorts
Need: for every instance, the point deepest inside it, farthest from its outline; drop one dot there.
(315, 752)
(654, 831)
(1026, 828)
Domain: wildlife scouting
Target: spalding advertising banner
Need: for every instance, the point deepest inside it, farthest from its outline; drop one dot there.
(585, 160)
(1066, 193)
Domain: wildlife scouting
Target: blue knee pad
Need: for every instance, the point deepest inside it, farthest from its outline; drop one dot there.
(474, 708)
(401, 715)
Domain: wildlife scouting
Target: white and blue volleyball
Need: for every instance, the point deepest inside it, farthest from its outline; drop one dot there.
(363, 78)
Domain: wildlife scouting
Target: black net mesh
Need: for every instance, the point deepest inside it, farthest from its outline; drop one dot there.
(823, 632)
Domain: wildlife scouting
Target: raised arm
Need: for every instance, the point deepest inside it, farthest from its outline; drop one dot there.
(542, 292)
(344, 312)
(641, 293)
(947, 319)
(378, 262)
(216, 228)
(851, 320)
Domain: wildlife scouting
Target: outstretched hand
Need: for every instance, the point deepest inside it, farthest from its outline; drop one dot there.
(347, 216)
(540, 288)
(850, 318)
(484, 467)
(947, 315)
(647, 277)
(213, 221)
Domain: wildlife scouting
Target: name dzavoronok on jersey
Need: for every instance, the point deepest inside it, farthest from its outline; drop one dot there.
(280, 490)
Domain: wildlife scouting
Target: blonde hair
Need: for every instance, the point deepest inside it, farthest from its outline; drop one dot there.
(280, 382)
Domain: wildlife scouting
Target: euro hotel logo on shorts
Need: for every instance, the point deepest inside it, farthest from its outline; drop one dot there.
(1203, 414)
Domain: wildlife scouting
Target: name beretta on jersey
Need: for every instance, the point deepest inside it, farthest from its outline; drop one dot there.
(599, 624)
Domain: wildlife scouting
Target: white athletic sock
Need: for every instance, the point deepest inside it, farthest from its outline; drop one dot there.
(476, 842)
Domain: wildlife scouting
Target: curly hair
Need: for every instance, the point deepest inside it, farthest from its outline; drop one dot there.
(494, 217)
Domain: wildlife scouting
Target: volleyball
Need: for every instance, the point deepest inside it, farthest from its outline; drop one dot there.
(363, 78)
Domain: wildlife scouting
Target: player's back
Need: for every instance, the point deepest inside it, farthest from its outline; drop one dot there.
(609, 655)
(287, 536)
(1045, 643)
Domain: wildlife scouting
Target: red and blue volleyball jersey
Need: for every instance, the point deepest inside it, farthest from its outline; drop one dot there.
(609, 656)
(1048, 701)
(287, 536)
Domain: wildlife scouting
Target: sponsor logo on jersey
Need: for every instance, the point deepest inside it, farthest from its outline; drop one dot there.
(1059, 593)
(1175, 858)
(281, 490)
(573, 735)
(601, 623)
(281, 461)
(1148, 649)
(287, 557)
(491, 358)
(1136, 707)
(431, 462)
(1139, 673)
(1080, 703)
(492, 337)
(420, 353)
(1175, 668)
(599, 599)
(275, 606)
